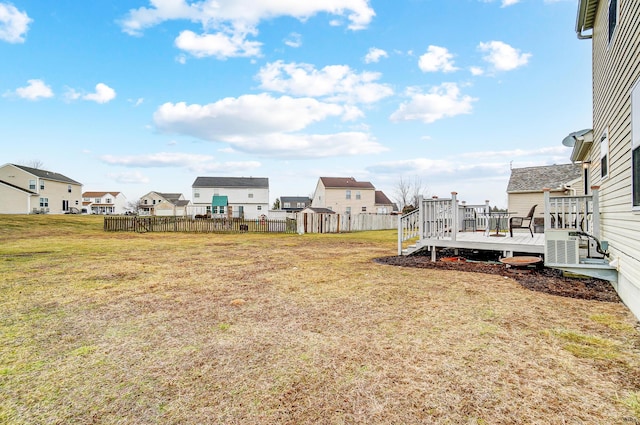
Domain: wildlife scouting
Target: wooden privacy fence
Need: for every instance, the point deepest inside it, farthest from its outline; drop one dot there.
(338, 223)
(204, 225)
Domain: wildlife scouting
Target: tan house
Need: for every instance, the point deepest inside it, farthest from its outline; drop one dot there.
(384, 205)
(344, 195)
(611, 153)
(525, 186)
(27, 190)
(158, 203)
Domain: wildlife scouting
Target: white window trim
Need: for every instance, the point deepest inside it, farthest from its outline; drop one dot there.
(605, 151)
(635, 131)
(615, 30)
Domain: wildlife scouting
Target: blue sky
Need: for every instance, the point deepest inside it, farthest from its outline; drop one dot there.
(143, 95)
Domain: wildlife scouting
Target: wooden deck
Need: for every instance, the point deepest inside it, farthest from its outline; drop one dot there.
(521, 242)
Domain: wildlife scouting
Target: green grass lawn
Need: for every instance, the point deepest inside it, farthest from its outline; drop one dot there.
(123, 328)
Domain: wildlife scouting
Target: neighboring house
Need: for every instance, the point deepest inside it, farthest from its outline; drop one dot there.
(525, 186)
(172, 207)
(317, 210)
(150, 202)
(611, 152)
(104, 202)
(47, 191)
(383, 205)
(344, 195)
(294, 203)
(246, 197)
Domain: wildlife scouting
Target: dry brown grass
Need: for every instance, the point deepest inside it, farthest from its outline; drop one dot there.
(256, 329)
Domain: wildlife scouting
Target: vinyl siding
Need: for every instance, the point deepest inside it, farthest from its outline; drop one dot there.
(616, 68)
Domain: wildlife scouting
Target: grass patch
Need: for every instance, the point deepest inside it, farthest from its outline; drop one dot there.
(262, 329)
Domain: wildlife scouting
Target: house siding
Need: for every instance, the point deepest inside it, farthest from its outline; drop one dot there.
(14, 201)
(616, 68)
(55, 191)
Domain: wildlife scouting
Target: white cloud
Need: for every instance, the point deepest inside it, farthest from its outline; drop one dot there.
(227, 23)
(243, 13)
(193, 162)
(506, 3)
(134, 177)
(36, 89)
(550, 152)
(374, 55)
(220, 45)
(436, 59)
(294, 40)
(309, 145)
(103, 94)
(476, 70)
(440, 102)
(14, 24)
(502, 56)
(265, 125)
(335, 82)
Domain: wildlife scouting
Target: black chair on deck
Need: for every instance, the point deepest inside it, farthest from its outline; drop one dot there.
(522, 222)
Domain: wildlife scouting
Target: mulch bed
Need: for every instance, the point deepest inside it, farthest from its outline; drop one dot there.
(535, 278)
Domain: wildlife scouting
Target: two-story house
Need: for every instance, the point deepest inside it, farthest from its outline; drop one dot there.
(158, 203)
(383, 204)
(240, 197)
(610, 152)
(344, 195)
(27, 190)
(294, 204)
(104, 202)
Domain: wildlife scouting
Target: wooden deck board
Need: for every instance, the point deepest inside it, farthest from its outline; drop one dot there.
(520, 242)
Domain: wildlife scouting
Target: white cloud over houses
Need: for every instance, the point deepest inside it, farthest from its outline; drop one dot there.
(34, 90)
(503, 57)
(334, 82)
(374, 55)
(437, 59)
(193, 162)
(129, 177)
(445, 100)
(266, 125)
(293, 40)
(228, 23)
(14, 24)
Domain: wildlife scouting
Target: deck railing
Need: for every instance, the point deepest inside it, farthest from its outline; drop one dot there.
(573, 212)
(408, 227)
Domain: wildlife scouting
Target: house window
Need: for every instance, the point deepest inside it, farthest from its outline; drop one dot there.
(196, 195)
(41, 184)
(635, 144)
(613, 17)
(69, 188)
(259, 207)
(44, 202)
(604, 155)
(287, 204)
(348, 211)
(108, 200)
(32, 185)
(300, 204)
(97, 200)
(364, 209)
(358, 194)
(146, 201)
(348, 194)
(251, 195)
(76, 202)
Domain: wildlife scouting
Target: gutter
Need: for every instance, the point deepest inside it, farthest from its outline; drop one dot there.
(582, 11)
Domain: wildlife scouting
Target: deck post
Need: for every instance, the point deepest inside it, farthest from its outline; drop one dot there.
(547, 208)
(596, 210)
(454, 215)
(421, 215)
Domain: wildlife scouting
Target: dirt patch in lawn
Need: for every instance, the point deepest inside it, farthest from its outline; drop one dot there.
(535, 278)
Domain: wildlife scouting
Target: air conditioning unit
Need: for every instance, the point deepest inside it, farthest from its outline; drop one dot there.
(562, 247)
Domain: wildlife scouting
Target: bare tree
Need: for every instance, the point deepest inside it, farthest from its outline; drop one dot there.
(34, 163)
(408, 192)
(133, 207)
